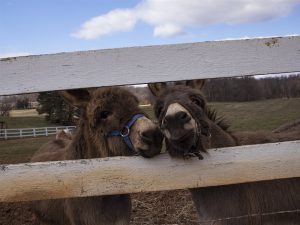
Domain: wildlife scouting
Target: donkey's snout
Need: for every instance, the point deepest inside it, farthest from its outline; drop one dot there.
(182, 117)
(152, 136)
(147, 136)
(175, 120)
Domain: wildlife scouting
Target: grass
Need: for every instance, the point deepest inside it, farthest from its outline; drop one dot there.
(24, 113)
(26, 118)
(148, 110)
(258, 115)
(20, 150)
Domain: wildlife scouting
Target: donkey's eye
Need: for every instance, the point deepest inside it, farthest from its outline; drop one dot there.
(196, 101)
(104, 114)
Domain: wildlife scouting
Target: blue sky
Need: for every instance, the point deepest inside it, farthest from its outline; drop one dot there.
(50, 26)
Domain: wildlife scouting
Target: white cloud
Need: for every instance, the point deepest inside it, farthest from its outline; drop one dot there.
(171, 17)
(115, 21)
(168, 30)
(14, 54)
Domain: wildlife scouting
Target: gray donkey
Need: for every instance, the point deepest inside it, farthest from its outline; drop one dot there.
(190, 128)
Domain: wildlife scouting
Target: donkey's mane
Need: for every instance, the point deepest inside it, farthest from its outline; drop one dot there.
(219, 120)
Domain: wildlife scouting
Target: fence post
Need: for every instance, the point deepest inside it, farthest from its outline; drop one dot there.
(46, 131)
(33, 129)
(21, 135)
(5, 134)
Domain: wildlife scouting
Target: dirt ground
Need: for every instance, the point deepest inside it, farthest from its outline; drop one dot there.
(155, 208)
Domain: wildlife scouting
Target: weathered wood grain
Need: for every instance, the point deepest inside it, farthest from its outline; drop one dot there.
(149, 64)
(118, 175)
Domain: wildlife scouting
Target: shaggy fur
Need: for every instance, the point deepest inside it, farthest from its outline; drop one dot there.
(104, 110)
(209, 123)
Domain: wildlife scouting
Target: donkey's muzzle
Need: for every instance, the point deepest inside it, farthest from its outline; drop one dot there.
(177, 126)
(176, 120)
(153, 138)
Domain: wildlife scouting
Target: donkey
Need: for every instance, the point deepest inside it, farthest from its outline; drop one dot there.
(111, 124)
(286, 132)
(190, 128)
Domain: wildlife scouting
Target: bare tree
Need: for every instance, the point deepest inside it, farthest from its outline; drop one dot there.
(5, 107)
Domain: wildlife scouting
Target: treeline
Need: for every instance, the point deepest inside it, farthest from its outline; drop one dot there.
(24, 101)
(251, 89)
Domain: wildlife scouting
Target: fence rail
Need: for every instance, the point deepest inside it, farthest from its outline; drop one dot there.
(149, 64)
(118, 175)
(32, 132)
(144, 65)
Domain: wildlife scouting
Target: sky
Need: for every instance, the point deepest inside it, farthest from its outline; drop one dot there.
(52, 26)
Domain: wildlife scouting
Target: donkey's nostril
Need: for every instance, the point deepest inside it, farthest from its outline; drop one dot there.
(182, 116)
(147, 136)
(152, 137)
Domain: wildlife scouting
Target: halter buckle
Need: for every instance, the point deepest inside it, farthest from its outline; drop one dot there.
(125, 131)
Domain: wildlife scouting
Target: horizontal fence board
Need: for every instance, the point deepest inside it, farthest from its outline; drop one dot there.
(32, 132)
(49, 180)
(149, 64)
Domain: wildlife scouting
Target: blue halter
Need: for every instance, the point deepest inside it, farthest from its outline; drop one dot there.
(125, 131)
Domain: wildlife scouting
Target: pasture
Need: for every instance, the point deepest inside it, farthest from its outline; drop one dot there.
(259, 115)
(26, 118)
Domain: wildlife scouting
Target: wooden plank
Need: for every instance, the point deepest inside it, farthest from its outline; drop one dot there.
(149, 64)
(118, 175)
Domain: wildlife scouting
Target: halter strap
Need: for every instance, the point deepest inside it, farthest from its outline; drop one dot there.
(125, 131)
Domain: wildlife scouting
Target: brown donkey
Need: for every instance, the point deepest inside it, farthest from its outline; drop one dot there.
(112, 124)
(190, 128)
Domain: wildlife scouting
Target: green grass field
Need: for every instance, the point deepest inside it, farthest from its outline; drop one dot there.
(26, 118)
(259, 115)
(20, 150)
(24, 113)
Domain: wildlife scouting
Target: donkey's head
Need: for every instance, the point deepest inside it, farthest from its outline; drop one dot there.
(114, 124)
(180, 110)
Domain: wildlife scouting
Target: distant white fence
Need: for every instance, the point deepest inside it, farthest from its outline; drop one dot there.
(32, 132)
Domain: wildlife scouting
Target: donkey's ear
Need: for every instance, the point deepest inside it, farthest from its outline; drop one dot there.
(197, 84)
(66, 135)
(77, 97)
(157, 88)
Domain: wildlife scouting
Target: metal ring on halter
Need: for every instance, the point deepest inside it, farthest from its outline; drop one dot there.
(126, 133)
(209, 135)
(198, 129)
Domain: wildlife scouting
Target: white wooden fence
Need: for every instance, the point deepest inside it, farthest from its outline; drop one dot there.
(48, 180)
(32, 132)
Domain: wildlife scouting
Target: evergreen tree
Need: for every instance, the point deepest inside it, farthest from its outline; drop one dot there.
(22, 103)
(57, 110)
